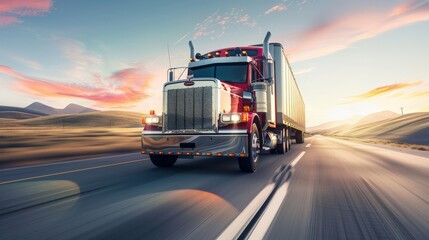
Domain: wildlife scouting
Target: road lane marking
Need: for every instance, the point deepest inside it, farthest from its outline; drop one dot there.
(241, 221)
(239, 224)
(273, 207)
(308, 145)
(69, 161)
(270, 213)
(296, 160)
(71, 171)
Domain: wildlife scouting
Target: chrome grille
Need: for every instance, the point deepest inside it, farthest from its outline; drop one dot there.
(189, 109)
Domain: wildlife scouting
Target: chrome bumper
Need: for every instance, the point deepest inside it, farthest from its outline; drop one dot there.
(229, 145)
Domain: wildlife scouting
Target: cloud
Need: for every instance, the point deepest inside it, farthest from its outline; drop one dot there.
(82, 62)
(276, 8)
(15, 8)
(337, 34)
(218, 23)
(384, 90)
(181, 39)
(304, 71)
(8, 20)
(123, 88)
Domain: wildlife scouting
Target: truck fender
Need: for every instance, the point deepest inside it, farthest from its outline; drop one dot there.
(254, 118)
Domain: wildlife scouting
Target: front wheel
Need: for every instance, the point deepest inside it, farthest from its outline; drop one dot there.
(250, 163)
(163, 161)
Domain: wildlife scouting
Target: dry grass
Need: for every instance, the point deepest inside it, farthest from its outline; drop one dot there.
(385, 142)
(32, 145)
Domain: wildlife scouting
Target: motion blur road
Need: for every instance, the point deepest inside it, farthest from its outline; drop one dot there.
(323, 189)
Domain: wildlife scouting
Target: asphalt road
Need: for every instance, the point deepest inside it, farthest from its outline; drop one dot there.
(323, 189)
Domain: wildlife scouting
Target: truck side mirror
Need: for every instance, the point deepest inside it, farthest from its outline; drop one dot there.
(247, 95)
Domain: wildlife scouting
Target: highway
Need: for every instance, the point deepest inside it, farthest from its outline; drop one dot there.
(323, 189)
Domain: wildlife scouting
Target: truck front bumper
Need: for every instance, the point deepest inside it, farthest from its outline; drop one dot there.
(227, 145)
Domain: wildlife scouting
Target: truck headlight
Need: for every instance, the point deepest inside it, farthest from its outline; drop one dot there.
(231, 118)
(154, 120)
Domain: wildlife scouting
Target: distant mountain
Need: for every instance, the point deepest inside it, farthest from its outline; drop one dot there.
(40, 107)
(75, 108)
(22, 110)
(70, 109)
(341, 124)
(376, 117)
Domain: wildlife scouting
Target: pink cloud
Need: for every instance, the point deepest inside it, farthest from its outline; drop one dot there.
(25, 7)
(15, 8)
(276, 8)
(121, 89)
(8, 20)
(340, 33)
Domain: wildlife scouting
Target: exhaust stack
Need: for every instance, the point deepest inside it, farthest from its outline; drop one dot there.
(266, 45)
(191, 47)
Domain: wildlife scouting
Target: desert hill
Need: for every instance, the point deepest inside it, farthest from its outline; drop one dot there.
(410, 128)
(69, 109)
(108, 119)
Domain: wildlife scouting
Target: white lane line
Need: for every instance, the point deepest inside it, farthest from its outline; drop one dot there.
(243, 219)
(70, 161)
(296, 160)
(308, 145)
(71, 171)
(269, 214)
(273, 207)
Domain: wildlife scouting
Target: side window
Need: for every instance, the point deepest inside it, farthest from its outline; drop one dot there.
(256, 75)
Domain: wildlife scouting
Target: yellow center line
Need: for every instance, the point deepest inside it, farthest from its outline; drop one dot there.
(72, 171)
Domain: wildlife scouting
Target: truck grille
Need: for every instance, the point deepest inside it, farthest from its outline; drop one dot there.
(190, 109)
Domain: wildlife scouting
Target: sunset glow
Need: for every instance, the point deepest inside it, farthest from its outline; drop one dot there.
(354, 58)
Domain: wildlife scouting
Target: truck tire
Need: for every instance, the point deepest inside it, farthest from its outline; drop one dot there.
(163, 161)
(283, 147)
(250, 163)
(299, 137)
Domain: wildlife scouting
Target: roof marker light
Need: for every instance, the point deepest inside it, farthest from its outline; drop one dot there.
(217, 54)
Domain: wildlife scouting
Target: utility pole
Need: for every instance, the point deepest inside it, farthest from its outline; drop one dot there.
(402, 111)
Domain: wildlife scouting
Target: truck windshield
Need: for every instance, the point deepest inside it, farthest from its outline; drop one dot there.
(234, 73)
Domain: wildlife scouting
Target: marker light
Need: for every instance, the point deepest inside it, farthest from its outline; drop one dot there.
(152, 112)
(191, 59)
(217, 54)
(227, 53)
(244, 53)
(244, 117)
(210, 55)
(246, 108)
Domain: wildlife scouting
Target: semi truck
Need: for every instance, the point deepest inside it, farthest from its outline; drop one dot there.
(235, 102)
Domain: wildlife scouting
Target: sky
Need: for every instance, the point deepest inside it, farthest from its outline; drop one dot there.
(349, 57)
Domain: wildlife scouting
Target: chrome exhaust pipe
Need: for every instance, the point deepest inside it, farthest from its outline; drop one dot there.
(191, 47)
(266, 45)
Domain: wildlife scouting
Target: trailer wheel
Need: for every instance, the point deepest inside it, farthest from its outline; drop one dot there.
(250, 163)
(283, 147)
(163, 161)
(299, 137)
